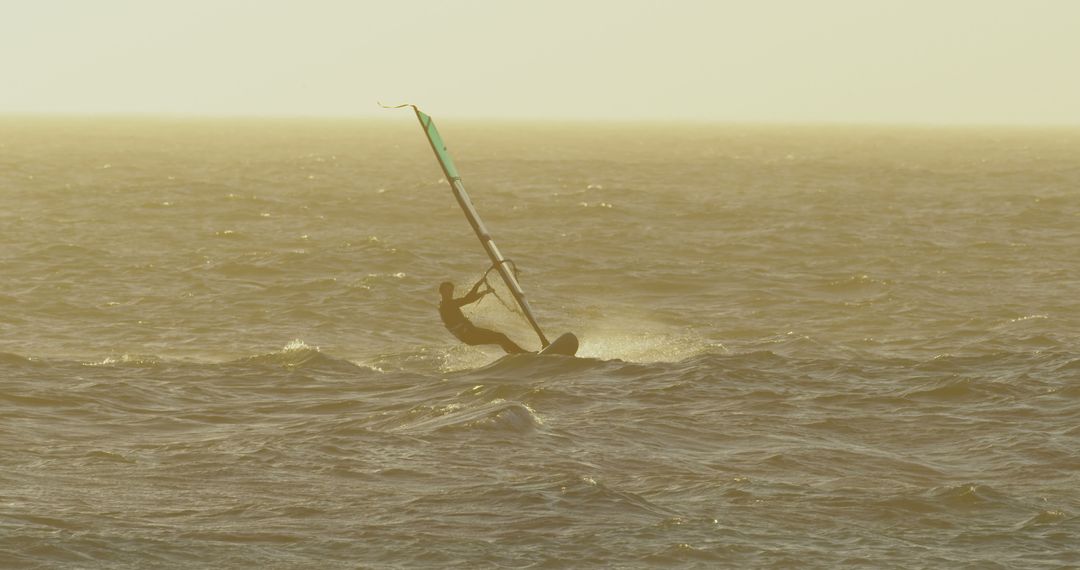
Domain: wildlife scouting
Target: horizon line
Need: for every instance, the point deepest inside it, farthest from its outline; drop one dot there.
(684, 121)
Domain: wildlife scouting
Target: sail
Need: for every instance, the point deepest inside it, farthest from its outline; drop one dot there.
(499, 262)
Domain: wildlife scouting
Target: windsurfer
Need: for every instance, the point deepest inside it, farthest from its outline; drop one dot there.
(461, 327)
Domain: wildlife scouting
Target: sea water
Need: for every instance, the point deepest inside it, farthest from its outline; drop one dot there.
(801, 346)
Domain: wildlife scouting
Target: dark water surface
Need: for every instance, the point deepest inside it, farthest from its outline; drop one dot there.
(801, 347)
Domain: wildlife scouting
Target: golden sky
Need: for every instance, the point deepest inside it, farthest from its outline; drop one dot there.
(893, 61)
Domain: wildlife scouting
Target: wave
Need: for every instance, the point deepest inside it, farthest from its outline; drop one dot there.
(66, 251)
(532, 366)
(965, 495)
(9, 359)
(128, 360)
(299, 355)
(497, 416)
(957, 390)
(856, 289)
(1046, 518)
(589, 493)
(457, 360)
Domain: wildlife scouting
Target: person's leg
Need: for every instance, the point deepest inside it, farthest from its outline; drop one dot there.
(477, 335)
(508, 345)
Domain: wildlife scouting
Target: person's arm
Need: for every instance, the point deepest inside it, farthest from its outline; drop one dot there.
(474, 294)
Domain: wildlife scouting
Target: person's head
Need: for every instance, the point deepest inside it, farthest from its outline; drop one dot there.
(446, 289)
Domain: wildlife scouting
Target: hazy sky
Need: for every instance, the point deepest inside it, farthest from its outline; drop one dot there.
(924, 61)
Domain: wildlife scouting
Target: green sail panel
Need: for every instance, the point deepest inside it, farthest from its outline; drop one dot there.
(438, 146)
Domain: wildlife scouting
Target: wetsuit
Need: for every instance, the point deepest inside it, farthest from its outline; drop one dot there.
(463, 329)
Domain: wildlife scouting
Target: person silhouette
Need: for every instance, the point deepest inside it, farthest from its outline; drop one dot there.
(461, 327)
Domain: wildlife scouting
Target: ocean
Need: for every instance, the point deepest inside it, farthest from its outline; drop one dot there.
(801, 346)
